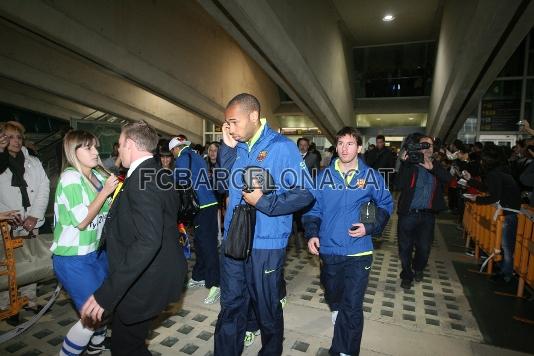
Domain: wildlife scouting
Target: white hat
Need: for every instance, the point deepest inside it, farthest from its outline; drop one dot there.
(178, 141)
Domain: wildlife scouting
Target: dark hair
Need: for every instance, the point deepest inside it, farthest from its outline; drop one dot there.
(303, 139)
(351, 131)
(492, 157)
(412, 138)
(247, 103)
(479, 145)
(381, 137)
(462, 148)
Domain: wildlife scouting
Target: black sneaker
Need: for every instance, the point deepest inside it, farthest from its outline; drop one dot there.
(93, 349)
(406, 284)
(418, 276)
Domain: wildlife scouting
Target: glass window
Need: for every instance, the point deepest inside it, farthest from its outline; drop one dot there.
(501, 106)
(514, 66)
(529, 102)
(468, 132)
(531, 54)
(397, 70)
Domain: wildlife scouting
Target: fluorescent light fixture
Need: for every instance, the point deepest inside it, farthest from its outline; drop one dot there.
(388, 18)
(410, 118)
(378, 119)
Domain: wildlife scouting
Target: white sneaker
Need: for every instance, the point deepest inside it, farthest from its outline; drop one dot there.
(334, 317)
(213, 295)
(250, 336)
(193, 284)
(283, 301)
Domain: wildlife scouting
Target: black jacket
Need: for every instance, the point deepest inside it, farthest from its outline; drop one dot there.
(500, 186)
(313, 162)
(407, 179)
(377, 159)
(147, 266)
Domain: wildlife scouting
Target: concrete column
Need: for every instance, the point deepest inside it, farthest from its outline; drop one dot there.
(300, 45)
(476, 39)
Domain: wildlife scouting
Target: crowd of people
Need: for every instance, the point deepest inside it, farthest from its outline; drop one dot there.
(116, 236)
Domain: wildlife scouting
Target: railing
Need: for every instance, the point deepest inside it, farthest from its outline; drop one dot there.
(483, 226)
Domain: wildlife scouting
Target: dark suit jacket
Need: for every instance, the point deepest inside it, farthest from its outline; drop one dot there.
(147, 266)
(377, 159)
(313, 163)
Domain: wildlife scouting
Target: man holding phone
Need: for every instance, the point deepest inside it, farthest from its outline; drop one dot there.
(257, 281)
(334, 225)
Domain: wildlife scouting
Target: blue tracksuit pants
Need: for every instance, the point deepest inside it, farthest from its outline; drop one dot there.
(345, 281)
(257, 282)
(206, 266)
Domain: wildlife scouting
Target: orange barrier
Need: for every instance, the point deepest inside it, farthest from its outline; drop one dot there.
(524, 250)
(483, 225)
(8, 269)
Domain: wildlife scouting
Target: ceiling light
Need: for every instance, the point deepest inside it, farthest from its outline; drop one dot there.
(410, 118)
(388, 18)
(378, 119)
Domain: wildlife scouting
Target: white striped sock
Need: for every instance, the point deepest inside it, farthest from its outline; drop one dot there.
(76, 340)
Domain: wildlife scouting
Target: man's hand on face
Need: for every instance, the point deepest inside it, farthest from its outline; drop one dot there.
(227, 138)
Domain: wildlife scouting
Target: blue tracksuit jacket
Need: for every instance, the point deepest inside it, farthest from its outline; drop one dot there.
(337, 207)
(281, 158)
(199, 175)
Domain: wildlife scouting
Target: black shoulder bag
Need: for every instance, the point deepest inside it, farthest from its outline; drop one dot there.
(188, 205)
(238, 243)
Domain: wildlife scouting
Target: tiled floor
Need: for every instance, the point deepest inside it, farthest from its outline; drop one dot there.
(436, 306)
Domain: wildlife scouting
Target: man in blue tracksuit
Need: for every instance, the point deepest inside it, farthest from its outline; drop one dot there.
(335, 232)
(206, 268)
(258, 280)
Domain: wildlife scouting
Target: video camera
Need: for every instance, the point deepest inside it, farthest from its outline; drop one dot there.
(413, 148)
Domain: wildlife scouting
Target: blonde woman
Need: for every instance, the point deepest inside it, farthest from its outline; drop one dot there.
(24, 187)
(81, 204)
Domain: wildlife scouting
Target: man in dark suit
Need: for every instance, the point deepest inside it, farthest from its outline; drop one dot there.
(146, 263)
(310, 158)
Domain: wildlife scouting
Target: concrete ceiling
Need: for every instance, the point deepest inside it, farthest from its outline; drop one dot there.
(415, 20)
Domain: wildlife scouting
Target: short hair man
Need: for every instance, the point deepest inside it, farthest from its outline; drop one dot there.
(310, 158)
(334, 228)
(206, 269)
(421, 197)
(380, 157)
(258, 280)
(141, 239)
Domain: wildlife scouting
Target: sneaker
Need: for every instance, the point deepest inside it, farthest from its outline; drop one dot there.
(283, 301)
(418, 276)
(193, 284)
(93, 349)
(213, 295)
(334, 317)
(249, 338)
(406, 284)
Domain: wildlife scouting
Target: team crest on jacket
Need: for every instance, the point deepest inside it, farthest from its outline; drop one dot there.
(261, 156)
(360, 183)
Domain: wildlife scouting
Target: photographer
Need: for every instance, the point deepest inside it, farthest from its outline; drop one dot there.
(421, 184)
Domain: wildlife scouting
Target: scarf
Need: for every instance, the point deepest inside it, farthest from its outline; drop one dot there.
(16, 165)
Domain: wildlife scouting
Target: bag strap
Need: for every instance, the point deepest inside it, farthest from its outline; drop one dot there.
(500, 207)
